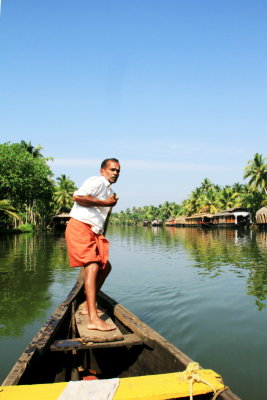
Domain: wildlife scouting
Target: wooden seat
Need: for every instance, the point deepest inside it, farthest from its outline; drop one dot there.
(92, 335)
(78, 344)
(90, 338)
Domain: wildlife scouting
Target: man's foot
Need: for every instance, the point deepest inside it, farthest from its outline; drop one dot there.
(100, 325)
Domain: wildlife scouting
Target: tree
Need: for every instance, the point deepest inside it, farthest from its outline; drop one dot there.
(63, 193)
(35, 151)
(228, 198)
(26, 181)
(7, 209)
(206, 185)
(256, 170)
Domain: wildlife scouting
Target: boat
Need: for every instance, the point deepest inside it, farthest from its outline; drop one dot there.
(199, 220)
(238, 217)
(59, 222)
(133, 352)
(261, 218)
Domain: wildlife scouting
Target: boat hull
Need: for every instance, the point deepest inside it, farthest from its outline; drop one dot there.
(57, 354)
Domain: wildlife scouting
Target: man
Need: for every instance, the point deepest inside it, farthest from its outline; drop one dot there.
(87, 247)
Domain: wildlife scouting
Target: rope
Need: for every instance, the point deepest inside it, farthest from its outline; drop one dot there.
(219, 392)
(191, 375)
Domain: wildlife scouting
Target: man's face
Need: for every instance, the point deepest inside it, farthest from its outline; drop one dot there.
(111, 172)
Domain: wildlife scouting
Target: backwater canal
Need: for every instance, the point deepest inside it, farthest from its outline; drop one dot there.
(204, 290)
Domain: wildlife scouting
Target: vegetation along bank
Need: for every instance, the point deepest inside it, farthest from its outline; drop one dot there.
(30, 196)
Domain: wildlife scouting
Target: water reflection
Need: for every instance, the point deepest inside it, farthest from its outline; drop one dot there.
(211, 250)
(201, 289)
(26, 273)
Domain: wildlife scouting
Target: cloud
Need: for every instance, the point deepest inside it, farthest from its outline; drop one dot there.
(142, 164)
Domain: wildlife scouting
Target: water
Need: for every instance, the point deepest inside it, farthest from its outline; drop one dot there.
(204, 290)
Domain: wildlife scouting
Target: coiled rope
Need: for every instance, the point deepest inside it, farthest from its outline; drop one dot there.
(191, 374)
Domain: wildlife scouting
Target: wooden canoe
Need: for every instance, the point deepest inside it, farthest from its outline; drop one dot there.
(61, 351)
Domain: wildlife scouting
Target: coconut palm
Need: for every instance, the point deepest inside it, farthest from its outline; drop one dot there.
(7, 209)
(35, 151)
(63, 193)
(206, 185)
(208, 202)
(228, 198)
(256, 170)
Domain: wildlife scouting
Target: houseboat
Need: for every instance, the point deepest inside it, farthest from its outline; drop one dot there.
(232, 218)
(261, 217)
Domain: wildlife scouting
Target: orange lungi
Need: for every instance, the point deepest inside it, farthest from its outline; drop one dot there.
(85, 246)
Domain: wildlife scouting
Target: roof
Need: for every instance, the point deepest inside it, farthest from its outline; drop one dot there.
(261, 216)
(62, 215)
(200, 215)
(231, 211)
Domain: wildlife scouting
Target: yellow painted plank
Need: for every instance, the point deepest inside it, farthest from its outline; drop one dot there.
(32, 392)
(151, 387)
(164, 386)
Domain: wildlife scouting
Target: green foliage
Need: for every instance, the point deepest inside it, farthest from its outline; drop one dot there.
(6, 209)
(256, 170)
(25, 228)
(26, 181)
(208, 197)
(63, 193)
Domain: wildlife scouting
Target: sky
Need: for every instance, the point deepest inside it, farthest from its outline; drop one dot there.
(175, 89)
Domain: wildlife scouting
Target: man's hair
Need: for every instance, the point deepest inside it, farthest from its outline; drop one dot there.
(104, 163)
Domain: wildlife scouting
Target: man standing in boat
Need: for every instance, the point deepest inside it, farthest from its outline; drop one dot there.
(87, 247)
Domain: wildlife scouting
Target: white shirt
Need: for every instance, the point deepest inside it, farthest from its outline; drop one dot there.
(98, 187)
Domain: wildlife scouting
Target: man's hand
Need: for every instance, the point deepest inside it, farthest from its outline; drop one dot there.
(111, 200)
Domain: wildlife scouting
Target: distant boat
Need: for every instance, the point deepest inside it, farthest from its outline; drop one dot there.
(146, 222)
(234, 217)
(157, 222)
(64, 349)
(59, 221)
(237, 217)
(261, 217)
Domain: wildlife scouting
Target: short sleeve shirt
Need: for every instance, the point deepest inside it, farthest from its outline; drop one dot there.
(98, 187)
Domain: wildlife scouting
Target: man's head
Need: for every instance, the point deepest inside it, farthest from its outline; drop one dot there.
(110, 169)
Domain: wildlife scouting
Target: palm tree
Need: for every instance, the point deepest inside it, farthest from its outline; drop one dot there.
(256, 170)
(228, 198)
(206, 185)
(7, 209)
(208, 201)
(35, 151)
(63, 193)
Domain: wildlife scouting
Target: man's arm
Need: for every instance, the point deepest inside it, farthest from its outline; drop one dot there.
(89, 201)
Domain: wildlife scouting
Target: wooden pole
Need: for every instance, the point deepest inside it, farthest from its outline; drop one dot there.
(107, 221)
(108, 217)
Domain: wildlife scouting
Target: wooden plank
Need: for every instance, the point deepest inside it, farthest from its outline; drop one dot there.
(77, 344)
(93, 335)
(156, 387)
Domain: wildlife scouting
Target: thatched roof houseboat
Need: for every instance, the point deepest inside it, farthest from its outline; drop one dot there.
(179, 221)
(201, 219)
(233, 217)
(261, 217)
(59, 221)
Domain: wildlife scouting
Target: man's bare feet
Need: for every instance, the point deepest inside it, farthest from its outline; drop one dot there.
(100, 325)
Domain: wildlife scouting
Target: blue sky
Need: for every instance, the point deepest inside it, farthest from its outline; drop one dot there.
(176, 89)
